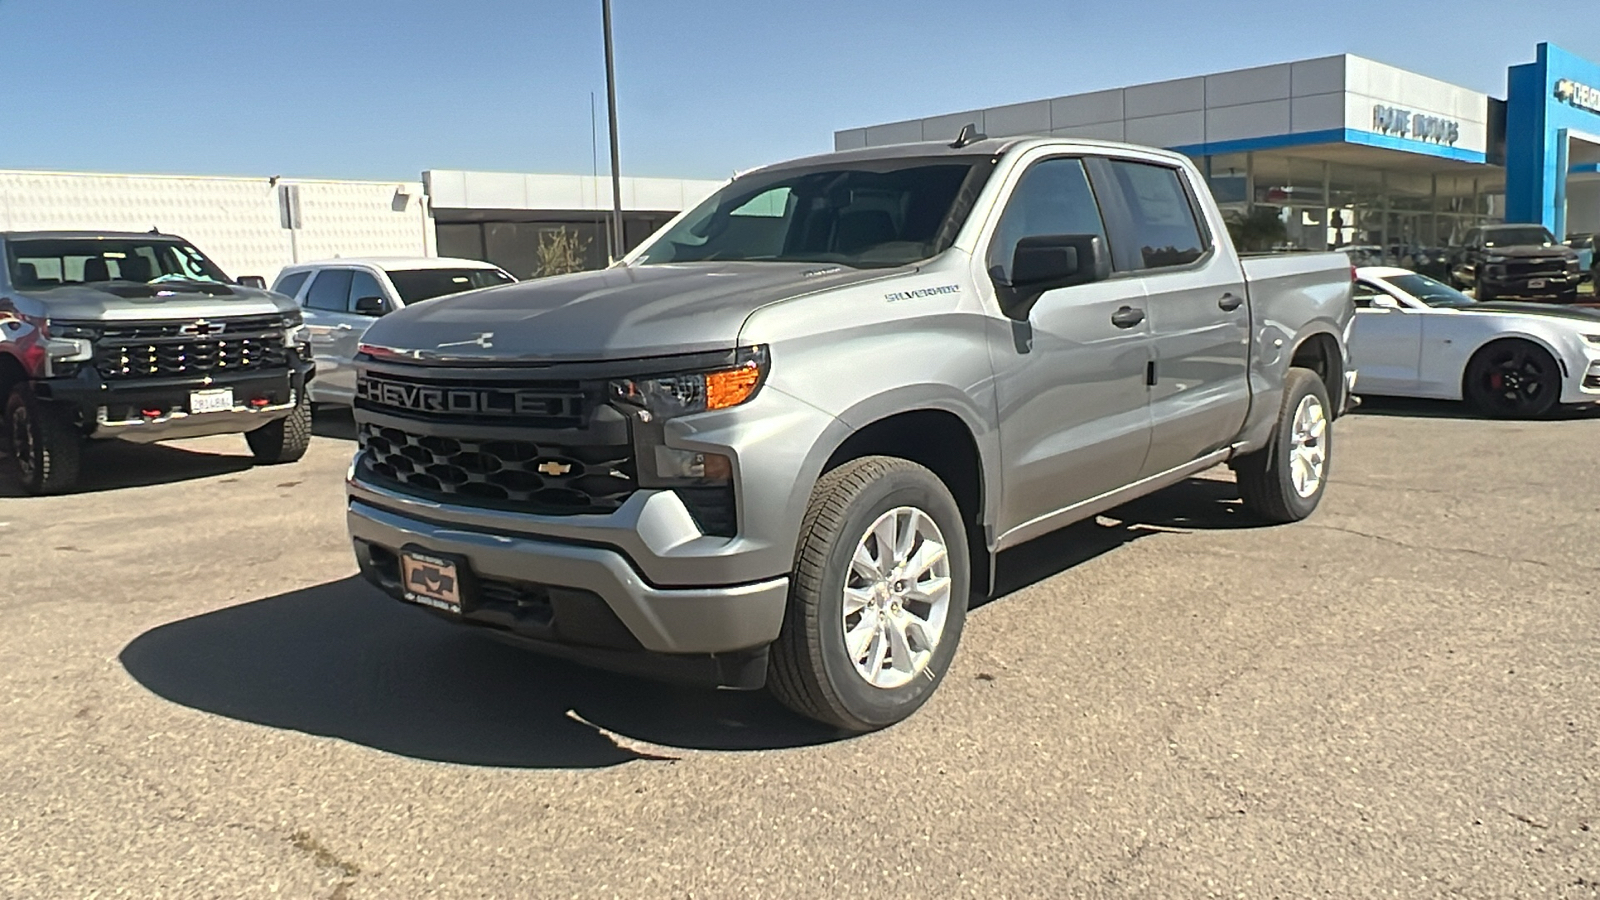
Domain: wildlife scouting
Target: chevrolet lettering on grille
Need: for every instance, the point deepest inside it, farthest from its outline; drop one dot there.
(465, 401)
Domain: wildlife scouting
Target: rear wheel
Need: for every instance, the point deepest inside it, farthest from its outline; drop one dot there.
(47, 448)
(284, 440)
(878, 599)
(1285, 481)
(1513, 379)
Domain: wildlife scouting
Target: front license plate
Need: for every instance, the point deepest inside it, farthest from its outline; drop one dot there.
(1537, 283)
(431, 580)
(211, 401)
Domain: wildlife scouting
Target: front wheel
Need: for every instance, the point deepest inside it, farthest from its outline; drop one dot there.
(1285, 481)
(44, 443)
(284, 440)
(878, 598)
(1512, 379)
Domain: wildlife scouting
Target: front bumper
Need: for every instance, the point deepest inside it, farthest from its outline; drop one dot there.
(584, 602)
(114, 409)
(1503, 285)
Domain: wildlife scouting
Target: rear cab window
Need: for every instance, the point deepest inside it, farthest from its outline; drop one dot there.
(1155, 223)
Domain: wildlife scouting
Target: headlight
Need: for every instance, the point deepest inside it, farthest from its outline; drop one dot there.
(669, 396)
(1592, 338)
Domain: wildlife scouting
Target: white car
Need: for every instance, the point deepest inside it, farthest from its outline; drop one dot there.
(341, 297)
(1416, 337)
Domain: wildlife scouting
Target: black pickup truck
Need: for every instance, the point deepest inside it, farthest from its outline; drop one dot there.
(140, 337)
(1517, 261)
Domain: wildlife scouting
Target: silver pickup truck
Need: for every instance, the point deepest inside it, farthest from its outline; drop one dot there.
(140, 337)
(783, 441)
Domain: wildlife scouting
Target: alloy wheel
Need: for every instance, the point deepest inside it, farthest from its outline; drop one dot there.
(896, 597)
(1308, 446)
(1516, 381)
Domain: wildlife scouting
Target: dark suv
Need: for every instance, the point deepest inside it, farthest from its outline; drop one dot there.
(1523, 261)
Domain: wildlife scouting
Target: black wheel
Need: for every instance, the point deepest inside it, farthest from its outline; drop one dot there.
(878, 598)
(284, 440)
(1512, 379)
(1568, 297)
(1284, 481)
(47, 448)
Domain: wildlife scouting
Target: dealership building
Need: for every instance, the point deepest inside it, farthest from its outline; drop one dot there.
(1344, 149)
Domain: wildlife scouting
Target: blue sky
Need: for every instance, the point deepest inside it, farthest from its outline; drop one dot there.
(348, 89)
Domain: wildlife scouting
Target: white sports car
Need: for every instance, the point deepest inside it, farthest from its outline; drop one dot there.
(1415, 337)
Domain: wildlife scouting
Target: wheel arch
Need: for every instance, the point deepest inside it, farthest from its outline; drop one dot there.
(947, 445)
(1321, 352)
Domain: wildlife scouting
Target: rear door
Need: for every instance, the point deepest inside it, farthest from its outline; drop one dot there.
(330, 324)
(1074, 416)
(1195, 300)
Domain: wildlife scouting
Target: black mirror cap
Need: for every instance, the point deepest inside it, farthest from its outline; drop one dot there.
(252, 281)
(371, 306)
(1049, 261)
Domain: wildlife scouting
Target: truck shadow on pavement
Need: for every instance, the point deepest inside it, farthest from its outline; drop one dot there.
(114, 465)
(342, 660)
(1414, 408)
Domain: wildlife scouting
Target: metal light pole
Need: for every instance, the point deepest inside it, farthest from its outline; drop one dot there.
(618, 248)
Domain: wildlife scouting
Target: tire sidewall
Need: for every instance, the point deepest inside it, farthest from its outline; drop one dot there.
(29, 471)
(873, 705)
(1300, 388)
(1476, 392)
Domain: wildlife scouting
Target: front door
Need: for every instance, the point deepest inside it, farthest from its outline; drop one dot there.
(1385, 343)
(1073, 411)
(336, 329)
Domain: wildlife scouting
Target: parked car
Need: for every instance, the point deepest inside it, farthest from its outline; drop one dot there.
(140, 337)
(1588, 260)
(1523, 261)
(782, 441)
(1417, 337)
(1364, 254)
(341, 297)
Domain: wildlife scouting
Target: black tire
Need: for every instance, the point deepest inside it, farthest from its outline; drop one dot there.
(47, 448)
(811, 670)
(1568, 297)
(284, 440)
(1266, 477)
(1482, 294)
(1512, 379)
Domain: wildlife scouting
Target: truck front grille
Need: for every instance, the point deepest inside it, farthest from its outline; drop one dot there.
(511, 474)
(1537, 268)
(188, 347)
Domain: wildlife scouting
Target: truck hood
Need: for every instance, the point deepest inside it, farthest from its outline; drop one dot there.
(128, 300)
(1531, 252)
(618, 313)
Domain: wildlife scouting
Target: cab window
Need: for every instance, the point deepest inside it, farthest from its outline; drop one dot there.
(330, 291)
(1053, 197)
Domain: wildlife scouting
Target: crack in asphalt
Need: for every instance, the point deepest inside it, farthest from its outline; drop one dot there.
(1465, 551)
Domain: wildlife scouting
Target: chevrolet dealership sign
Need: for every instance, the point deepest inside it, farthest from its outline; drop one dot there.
(1417, 126)
(1580, 95)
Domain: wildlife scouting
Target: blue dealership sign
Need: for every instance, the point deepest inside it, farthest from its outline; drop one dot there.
(1549, 102)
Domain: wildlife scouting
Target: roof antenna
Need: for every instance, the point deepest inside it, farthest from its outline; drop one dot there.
(969, 133)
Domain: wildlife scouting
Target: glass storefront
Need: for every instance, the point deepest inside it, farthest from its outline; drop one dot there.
(1283, 201)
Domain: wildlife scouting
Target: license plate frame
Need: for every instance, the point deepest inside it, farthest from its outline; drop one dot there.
(1538, 284)
(435, 580)
(210, 401)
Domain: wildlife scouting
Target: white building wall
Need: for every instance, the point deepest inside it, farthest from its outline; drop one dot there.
(1316, 95)
(235, 221)
(455, 189)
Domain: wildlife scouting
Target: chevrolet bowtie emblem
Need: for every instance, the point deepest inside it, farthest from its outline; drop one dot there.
(554, 468)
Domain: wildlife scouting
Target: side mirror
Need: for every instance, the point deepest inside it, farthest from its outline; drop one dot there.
(1384, 301)
(1046, 262)
(371, 306)
(252, 281)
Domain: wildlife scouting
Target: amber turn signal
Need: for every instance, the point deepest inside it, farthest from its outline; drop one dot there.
(731, 387)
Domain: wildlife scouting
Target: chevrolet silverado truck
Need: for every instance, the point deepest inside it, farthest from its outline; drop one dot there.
(1501, 262)
(140, 337)
(782, 442)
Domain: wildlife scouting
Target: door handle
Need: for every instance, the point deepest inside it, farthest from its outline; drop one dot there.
(1127, 317)
(1230, 302)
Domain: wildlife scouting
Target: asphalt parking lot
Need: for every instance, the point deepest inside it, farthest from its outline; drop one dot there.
(1395, 698)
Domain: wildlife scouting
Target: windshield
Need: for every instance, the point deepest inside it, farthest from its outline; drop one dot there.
(417, 285)
(51, 263)
(1429, 291)
(868, 214)
(1532, 236)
